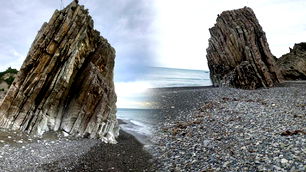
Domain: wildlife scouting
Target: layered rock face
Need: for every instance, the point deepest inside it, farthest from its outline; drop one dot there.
(66, 82)
(293, 65)
(238, 54)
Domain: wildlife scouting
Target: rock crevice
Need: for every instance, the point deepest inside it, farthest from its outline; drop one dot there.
(66, 81)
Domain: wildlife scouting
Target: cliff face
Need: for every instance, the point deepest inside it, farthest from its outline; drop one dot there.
(238, 54)
(293, 65)
(66, 81)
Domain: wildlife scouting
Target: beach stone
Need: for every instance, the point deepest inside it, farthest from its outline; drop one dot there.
(293, 64)
(284, 161)
(66, 81)
(206, 142)
(238, 54)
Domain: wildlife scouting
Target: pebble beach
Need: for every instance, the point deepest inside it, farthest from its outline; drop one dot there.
(227, 129)
(53, 152)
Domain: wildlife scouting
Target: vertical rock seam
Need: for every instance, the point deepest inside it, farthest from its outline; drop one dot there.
(66, 81)
(238, 54)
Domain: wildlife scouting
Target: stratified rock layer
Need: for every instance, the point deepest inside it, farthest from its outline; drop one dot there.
(66, 82)
(238, 54)
(293, 65)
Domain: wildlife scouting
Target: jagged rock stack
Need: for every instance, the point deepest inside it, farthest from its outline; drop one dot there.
(293, 64)
(238, 54)
(66, 82)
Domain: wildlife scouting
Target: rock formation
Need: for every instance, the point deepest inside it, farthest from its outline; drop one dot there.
(293, 65)
(238, 54)
(66, 81)
(6, 79)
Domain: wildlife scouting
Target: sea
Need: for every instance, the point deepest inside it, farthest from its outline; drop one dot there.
(139, 121)
(170, 77)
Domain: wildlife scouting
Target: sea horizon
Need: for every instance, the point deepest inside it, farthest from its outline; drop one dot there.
(139, 121)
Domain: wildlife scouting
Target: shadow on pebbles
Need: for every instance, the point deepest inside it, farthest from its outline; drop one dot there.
(21, 152)
(54, 152)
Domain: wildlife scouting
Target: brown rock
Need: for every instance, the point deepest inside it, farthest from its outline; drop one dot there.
(238, 54)
(66, 81)
(293, 65)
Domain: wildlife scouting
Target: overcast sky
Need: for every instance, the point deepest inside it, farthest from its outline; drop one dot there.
(173, 33)
(168, 33)
(182, 27)
(125, 23)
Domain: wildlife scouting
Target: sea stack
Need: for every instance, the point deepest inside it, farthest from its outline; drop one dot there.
(66, 81)
(238, 54)
(293, 64)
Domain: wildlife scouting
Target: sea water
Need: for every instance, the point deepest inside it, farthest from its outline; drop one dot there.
(171, 77)
(140, 122)
(137, 120)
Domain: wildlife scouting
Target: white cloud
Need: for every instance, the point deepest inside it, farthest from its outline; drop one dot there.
(132, 94)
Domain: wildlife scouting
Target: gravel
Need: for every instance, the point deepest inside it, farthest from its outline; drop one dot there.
(20, 152)
(227, 129)
(54, 152)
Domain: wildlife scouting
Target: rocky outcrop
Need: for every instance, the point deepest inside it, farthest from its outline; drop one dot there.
(6, 79)
(66, 81)
(293, 64)
(238, 54)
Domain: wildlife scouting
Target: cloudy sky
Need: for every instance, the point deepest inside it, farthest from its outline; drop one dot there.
(168, 33)
(125, 23)
(182, 27)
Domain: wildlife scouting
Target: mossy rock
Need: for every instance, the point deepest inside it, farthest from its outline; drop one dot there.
(11, 78)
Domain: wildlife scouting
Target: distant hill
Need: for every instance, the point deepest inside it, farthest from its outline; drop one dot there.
(6, 79)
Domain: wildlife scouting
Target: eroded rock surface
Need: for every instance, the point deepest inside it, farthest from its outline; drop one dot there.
(66, 81)
(238, 54)
(293, 64)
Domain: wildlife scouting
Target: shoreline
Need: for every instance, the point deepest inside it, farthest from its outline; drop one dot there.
(180, 88)
(290, 83)
(142, 138)
(191, 121)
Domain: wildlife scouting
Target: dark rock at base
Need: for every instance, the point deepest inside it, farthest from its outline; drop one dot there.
(293, 64)
(238, 54)
(66, 81)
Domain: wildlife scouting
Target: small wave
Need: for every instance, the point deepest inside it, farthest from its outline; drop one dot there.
(137, 127)
(138, 123)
